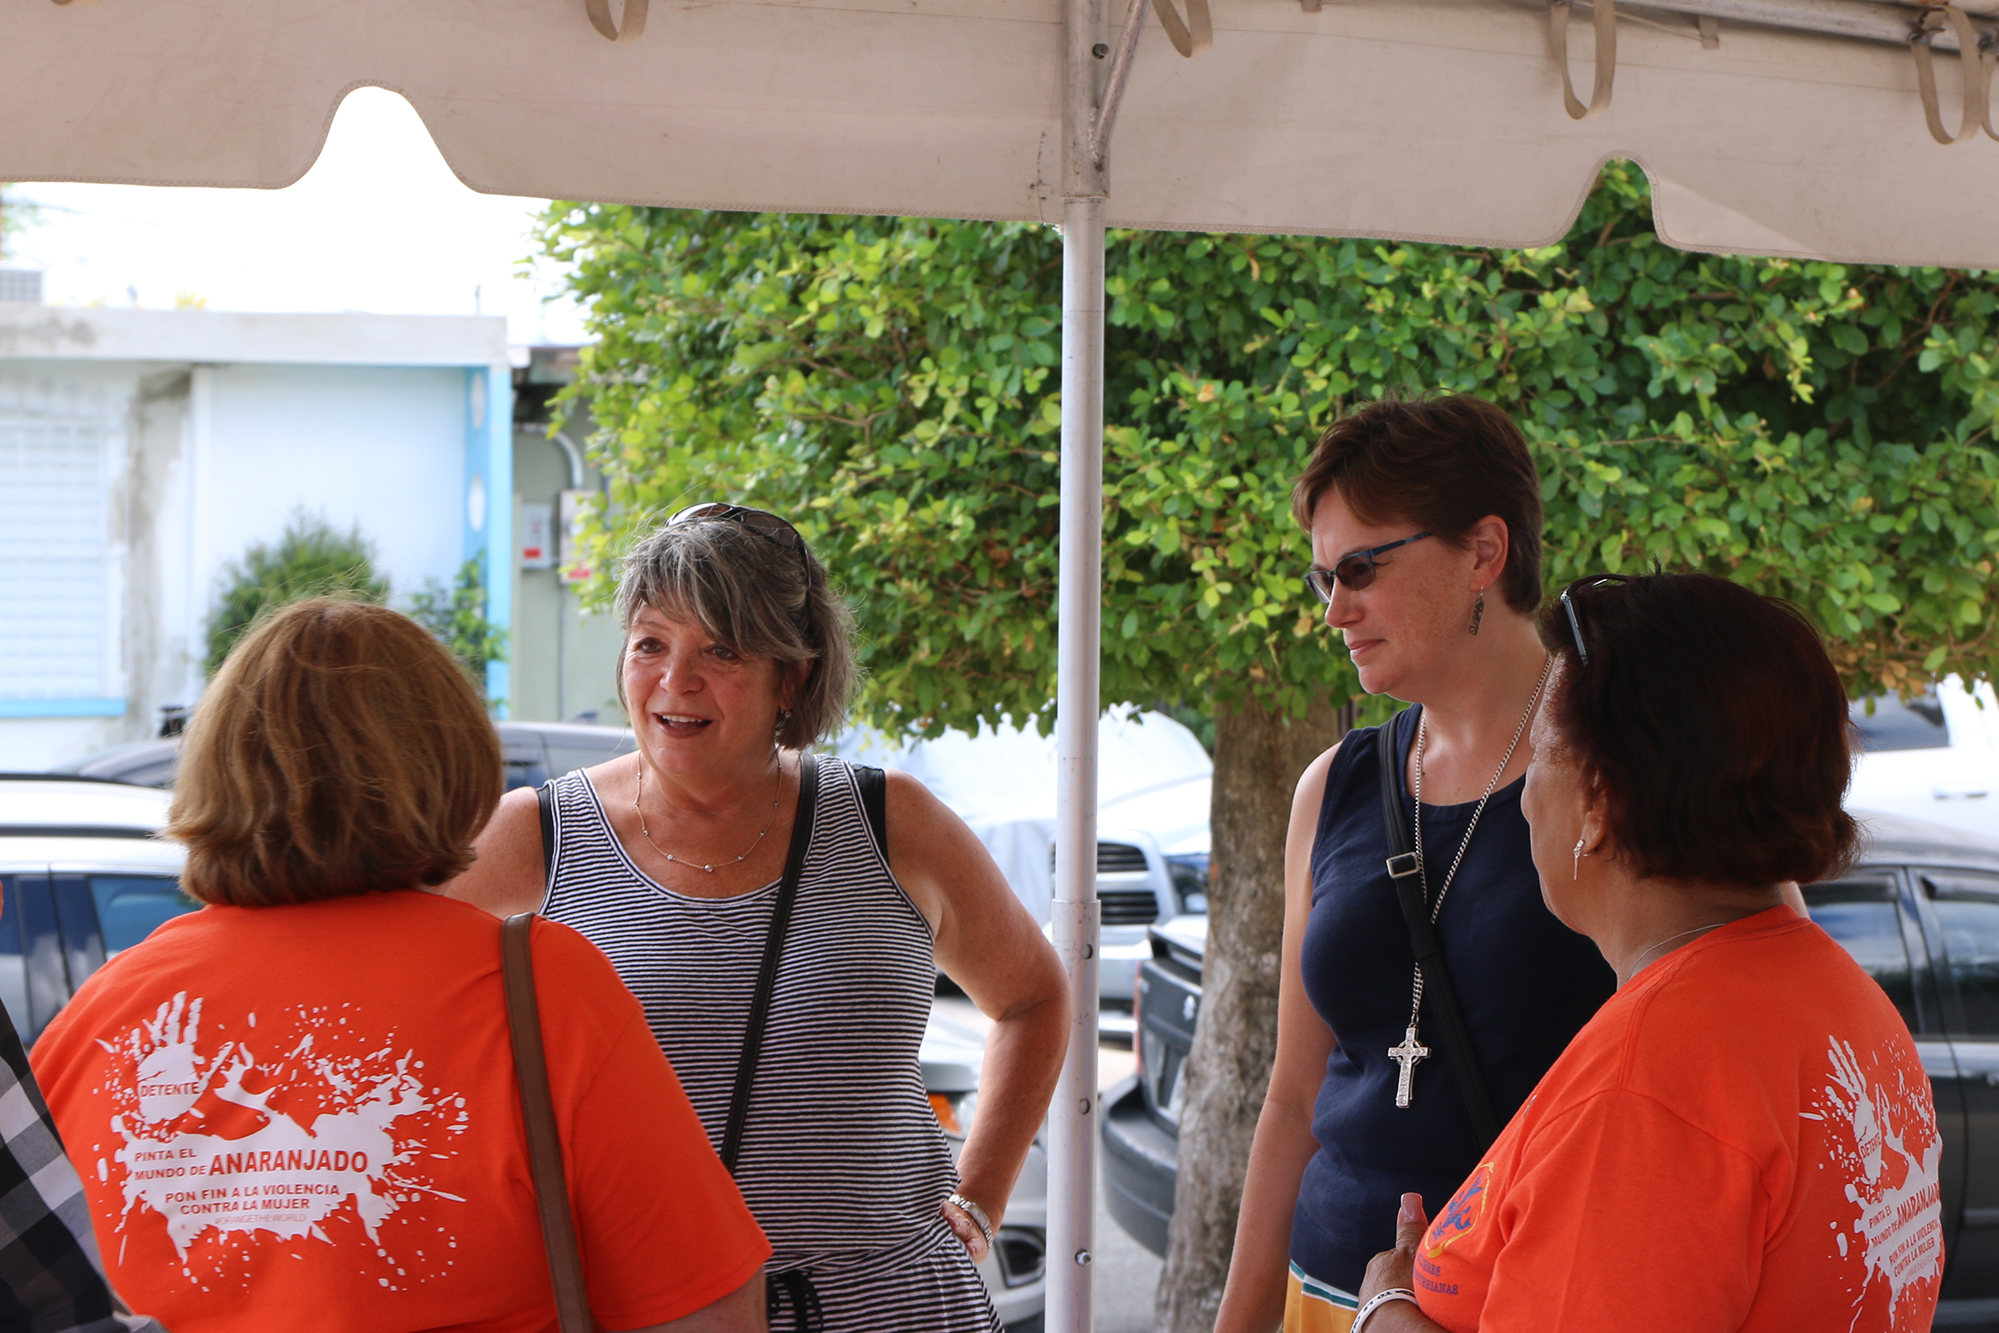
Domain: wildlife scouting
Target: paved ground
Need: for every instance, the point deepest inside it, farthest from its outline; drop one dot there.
(1127, 1274)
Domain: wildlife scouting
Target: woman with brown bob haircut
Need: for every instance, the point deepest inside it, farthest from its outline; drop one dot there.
(302, 1099)
(1743, 1137)
(1425, 523)
(349, 756)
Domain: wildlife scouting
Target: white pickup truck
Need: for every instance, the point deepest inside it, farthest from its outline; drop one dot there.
(1935, 757)
(1153, 781)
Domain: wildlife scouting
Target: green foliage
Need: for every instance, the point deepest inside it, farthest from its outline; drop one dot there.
(311, 559)
(16, 216)
(458, 618)
(1815, 430)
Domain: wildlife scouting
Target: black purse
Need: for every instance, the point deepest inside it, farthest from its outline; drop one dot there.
(1440, 997)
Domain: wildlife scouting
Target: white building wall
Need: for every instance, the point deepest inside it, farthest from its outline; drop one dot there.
(103, 397)
(381, 448)
(205, 457)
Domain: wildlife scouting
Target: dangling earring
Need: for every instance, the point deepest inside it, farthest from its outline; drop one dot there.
(1576, 869)
(783, 721)
(1477, 612)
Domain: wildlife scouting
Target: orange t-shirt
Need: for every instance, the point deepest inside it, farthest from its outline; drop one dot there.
(306, 1118)
(1742, 1139)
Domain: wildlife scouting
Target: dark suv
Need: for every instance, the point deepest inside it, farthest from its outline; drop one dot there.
(1920, 912)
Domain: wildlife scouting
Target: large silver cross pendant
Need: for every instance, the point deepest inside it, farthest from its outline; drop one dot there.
(1406, 1055)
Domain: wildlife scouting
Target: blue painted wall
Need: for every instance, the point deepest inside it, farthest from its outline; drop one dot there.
(489, 505)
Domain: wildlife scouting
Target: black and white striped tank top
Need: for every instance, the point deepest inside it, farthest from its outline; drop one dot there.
(841, 1155)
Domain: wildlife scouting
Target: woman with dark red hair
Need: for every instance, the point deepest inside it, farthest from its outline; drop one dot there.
(1742, 1138)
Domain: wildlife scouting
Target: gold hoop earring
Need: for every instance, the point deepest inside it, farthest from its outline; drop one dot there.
(1477, 613)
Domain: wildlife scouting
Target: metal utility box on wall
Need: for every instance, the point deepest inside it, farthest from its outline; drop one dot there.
(537, 535)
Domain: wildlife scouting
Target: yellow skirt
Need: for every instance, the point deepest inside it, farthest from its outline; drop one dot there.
(1311, 1306)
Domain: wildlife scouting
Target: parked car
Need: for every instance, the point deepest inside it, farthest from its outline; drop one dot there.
(1934, 757)
(1920, 912)
(1015, 1269)
(534, 751)
(1138, 885)
(82, 876)
(1153, 779)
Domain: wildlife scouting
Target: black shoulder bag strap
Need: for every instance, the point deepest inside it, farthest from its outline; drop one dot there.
(780, 920)
(545, 796)
(873, 785)
(1440, 997)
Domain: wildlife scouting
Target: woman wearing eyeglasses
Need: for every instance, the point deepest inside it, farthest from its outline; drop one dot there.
(1425, 520)
(782, 918)
(1743, 1137)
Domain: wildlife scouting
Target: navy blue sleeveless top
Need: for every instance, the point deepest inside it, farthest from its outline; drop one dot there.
(1526, 983)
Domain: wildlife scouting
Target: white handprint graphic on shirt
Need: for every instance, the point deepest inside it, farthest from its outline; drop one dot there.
(211, 1172)
(1899, 1217)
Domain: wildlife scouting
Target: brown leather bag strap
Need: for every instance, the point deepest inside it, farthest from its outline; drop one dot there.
(551, 1188)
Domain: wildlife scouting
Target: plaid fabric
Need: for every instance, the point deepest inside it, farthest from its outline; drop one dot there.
(50, 1278)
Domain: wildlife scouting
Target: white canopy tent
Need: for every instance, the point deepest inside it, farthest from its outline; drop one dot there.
(1775, 127)
(1424, 119)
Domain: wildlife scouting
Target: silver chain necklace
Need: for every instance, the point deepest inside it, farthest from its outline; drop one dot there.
(1636, 969)
(1411, 1051)
(776, 796)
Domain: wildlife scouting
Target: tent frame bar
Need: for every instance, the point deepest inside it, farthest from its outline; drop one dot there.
(1100, 138)
(1864, 20)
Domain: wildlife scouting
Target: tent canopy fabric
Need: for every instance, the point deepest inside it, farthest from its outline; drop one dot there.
(1437, 120)
(1421, 119)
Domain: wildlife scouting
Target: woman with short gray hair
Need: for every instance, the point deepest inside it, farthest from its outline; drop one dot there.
(782, 917)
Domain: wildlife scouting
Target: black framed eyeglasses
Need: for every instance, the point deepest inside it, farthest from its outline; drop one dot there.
(1355, 571)
(760, 521)
(1584, 584)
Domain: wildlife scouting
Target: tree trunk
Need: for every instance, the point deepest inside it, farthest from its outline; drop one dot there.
(1258, 757)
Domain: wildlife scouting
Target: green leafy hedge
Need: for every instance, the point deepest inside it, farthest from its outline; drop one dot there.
(1817, 431)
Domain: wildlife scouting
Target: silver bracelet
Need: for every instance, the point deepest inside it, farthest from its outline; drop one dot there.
(1379, 1299)
(976, 1213)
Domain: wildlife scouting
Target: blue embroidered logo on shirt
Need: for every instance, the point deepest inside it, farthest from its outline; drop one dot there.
(1460, 1216)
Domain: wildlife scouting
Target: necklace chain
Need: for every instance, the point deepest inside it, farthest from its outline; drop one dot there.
(776, 796)
(1635, 969)
(1450, 876)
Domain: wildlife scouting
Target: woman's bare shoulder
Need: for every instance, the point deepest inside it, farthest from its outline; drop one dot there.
(506, 875)
(1311, 789)
(919, 825)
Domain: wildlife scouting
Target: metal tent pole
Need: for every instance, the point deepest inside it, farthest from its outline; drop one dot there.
(1072, 1116)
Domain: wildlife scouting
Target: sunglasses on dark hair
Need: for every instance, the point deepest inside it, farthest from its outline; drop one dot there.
(1584, 584)
(1354, 571)
(760, 521)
